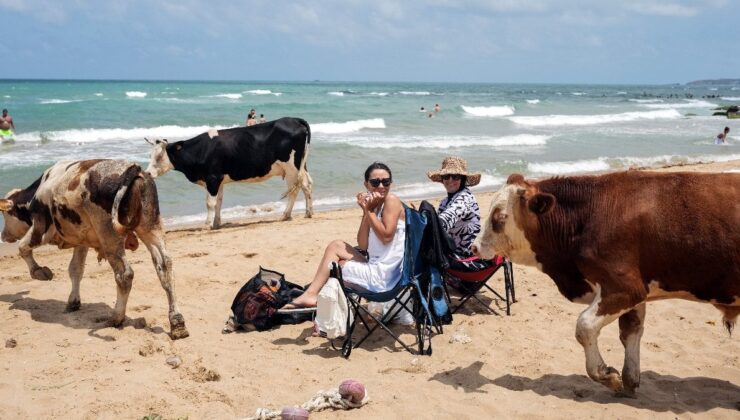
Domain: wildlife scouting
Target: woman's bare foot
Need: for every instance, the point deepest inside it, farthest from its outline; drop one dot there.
(302, 301)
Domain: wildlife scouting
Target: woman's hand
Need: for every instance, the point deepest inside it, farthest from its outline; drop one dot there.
(363, 198)
(374, 200)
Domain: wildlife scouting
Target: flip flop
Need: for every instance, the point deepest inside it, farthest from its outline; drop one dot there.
(296, 308)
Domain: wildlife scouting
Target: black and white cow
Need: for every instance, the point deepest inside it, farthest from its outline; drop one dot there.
(99, 204)
(241, 154)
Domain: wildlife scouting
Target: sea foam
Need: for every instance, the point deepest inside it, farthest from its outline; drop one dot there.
(135, 94)
(347, 127)
(87, 135)
(693, 103)
(488, 111)
(58, 101)
(441, 142)
(227, 95)
(571, 120)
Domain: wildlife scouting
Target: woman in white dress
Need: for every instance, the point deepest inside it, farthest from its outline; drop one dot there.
(382, 233)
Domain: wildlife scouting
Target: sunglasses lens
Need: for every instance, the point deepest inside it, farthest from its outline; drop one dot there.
(376, 182)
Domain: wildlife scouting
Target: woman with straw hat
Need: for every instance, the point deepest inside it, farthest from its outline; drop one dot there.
(458, 213)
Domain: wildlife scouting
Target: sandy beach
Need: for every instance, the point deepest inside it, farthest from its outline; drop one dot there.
(527, 365)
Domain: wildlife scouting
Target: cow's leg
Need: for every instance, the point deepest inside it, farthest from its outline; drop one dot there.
(154, 241)
(307, 187)
(294, 187)
(213, 202)
(124, 276)
(31, 240)
(76, 269)
(588, 327)
(630, 333)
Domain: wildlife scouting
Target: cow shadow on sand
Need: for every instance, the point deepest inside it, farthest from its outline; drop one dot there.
(657, 392)
(92, 316)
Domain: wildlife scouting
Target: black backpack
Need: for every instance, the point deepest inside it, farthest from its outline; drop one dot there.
(259, 299)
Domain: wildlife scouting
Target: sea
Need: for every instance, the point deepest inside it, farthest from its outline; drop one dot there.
(534, 129)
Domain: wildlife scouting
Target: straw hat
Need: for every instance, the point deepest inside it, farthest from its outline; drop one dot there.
(455, 166)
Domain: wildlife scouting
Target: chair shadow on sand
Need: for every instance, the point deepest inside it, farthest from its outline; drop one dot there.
(659, 393)
(93, 316)
(469, 378)
(322, 347)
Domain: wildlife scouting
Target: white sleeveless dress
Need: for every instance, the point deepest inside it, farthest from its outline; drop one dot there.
(384, 266)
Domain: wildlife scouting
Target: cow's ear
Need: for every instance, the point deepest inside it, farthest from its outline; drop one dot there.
(514, 178)
(5, 204)
(541, 203)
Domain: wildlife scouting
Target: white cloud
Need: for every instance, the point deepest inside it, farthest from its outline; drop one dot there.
(663, 9)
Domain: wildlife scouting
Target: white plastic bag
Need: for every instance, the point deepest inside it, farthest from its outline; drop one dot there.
(332, 310)
(379, 309)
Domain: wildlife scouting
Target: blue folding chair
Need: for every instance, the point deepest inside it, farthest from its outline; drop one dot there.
(406, 294)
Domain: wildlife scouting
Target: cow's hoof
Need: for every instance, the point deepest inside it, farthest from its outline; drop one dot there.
(612, 380)
(116, 322)
(42, 273)
(625, 393)
(179, 332)
(309, 215)
(72, 306)
(177, 327)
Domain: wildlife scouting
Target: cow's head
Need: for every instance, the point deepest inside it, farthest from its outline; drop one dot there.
(15, 228)
(159, 162)
(514, 210)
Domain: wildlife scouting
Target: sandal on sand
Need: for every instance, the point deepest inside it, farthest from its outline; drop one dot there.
(295, 308)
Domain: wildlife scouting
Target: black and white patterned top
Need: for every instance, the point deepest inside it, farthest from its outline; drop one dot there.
(460, 217)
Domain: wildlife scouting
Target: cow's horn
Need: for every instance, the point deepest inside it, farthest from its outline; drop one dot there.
(5, 204)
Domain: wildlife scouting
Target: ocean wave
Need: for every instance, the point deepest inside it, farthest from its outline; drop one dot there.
(621, 92)
(262, 92)
(335, 93)
(347, 127)
(58, 101)
(533, 101)
(692, 103)
(488, 111)
(645, 101)
(564, 120)
(378, 94)
(442, 142)
(616, 163)
(98, 94)
(226, 95)
(578, 93)
(415, 93)
(731, 98)
(136, 94)
(88, 135)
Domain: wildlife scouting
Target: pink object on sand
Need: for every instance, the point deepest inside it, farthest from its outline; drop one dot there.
(294, 413)
(352, 391)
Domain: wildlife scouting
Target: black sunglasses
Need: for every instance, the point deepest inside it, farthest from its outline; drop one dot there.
(377, 181)
(452, 177)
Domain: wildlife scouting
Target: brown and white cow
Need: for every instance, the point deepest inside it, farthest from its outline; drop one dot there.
(99, 204)
(619, 240)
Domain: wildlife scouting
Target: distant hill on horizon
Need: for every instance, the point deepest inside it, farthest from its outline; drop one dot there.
(715, 82)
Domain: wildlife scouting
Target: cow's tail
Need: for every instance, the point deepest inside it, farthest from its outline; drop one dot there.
(127, 204)
(301, 165)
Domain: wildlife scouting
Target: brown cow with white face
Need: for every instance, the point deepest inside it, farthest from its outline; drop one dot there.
(99, 204)
(617, 241)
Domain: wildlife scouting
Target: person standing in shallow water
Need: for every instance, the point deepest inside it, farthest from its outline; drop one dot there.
(722, 137)
(6, 121)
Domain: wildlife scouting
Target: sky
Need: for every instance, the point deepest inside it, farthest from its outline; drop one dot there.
(491, 41)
